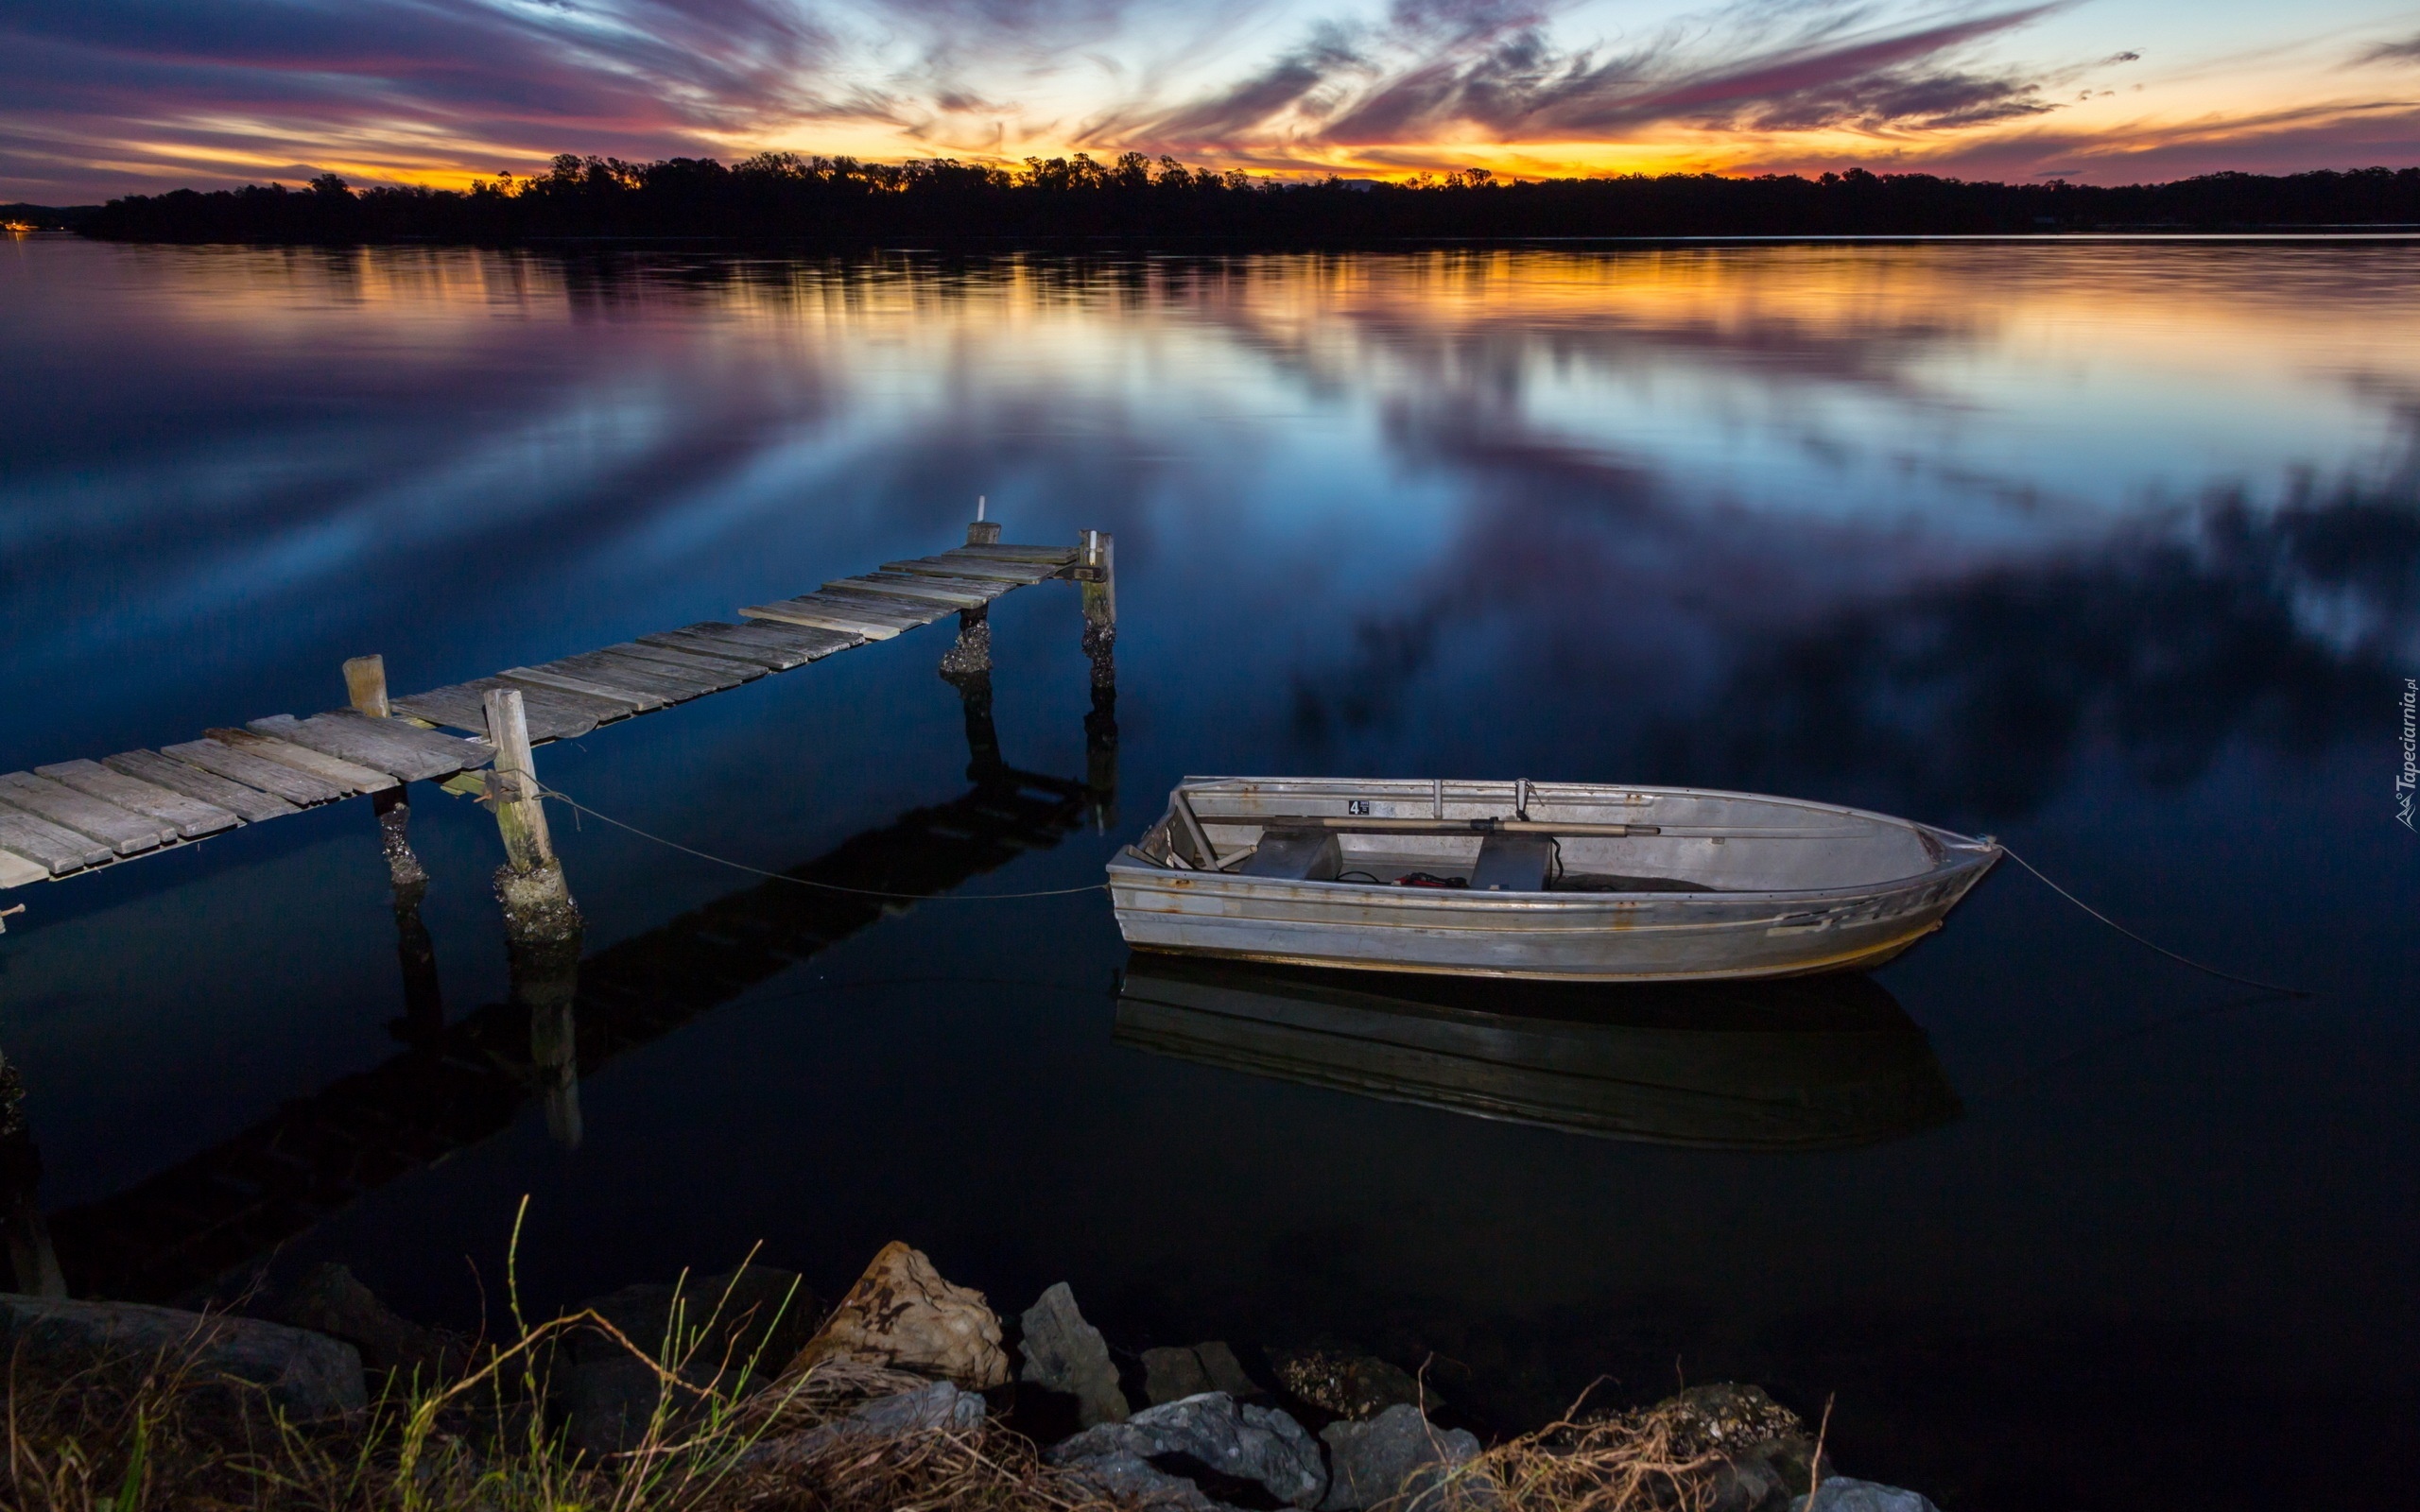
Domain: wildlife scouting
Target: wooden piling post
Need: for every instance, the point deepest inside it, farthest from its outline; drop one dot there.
(1097, 570)
(537, 900)
(365, 686)
(365, 682)
(982, 532)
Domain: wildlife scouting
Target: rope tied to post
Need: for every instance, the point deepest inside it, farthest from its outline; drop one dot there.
(576, 806)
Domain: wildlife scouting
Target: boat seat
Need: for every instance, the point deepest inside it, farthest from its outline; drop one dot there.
(1295, 855)
(1513, 863)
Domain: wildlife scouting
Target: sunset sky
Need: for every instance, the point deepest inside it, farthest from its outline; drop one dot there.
(100, 97)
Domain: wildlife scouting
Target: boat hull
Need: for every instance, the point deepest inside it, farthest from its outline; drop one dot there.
(1580, 937)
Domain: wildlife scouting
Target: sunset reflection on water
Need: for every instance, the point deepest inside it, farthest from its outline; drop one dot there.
(2111, 549)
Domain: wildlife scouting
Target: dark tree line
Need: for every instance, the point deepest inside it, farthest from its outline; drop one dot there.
(842, 200)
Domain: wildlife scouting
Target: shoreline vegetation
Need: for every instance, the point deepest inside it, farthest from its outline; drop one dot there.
(783, 196)
(737, 1393)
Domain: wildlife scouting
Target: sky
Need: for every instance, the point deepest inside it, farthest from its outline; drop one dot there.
(102, 98)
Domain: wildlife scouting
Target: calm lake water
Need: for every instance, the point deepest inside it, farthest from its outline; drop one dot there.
(2112, 550)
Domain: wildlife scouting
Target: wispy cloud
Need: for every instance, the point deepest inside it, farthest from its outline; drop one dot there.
(107, 96)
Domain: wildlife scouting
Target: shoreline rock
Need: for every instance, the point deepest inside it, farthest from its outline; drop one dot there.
(1062, 1352)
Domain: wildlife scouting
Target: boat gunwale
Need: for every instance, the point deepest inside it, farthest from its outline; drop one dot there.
(1983, 850)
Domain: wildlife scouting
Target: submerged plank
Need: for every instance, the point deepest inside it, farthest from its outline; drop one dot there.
(187, 815)
(250, 804)
(15, 871)
(53, 847)
(727, 673)
(114, 827)
(253, 771)
(351, 776)
(401, 749)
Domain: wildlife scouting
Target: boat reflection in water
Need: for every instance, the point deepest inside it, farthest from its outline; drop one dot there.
(1801, 1064)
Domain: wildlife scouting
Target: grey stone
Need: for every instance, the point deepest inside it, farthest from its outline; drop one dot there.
(1173, 1374)
(1369, 1462)
(1132, 1478)
(1247, 1443)
(332, 1301)
(1062, 1352)
(1840, 1493)
(1226, 1372)
(1746, 1482)
(300, 1373)
(940, 1407)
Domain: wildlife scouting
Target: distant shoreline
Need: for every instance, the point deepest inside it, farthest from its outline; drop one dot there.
(840, 202)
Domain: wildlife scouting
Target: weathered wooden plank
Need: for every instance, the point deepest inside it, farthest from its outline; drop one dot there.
(726, 672)
(635, 700)
(766, 658)
(871, 624)
(253, 771)
(15, 871)
(53, 846)
(1005, 572)
(738, 653)
(899, 606)
(553, 714)
(403, 750)
(907, 585)
(997, 551)
(987, 589)
(121, 830)
(814, 643)
(351, 776)
(612, 671)
(250, 804)
(187, 815)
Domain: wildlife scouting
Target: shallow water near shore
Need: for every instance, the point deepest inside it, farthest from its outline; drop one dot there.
(2112, 551)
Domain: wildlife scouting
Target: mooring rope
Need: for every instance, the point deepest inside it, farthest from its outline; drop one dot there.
(2182, 960)
(561, 797)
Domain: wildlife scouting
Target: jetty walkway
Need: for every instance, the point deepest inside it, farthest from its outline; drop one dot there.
(74, 816)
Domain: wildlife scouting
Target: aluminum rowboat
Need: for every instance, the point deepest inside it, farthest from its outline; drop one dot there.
(1568, 881)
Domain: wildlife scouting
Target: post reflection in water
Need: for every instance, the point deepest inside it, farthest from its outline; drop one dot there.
(207, 1220)
(1814, 1063)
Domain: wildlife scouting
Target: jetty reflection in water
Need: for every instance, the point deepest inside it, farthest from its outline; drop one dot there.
(1805, 1064)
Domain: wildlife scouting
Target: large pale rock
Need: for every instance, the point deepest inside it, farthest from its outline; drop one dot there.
(1840, 1493)
(1369, 1462)
(301, 1374)
(1212, 1430)
(901, 1314)
(937, 1408)
(1062, 1352)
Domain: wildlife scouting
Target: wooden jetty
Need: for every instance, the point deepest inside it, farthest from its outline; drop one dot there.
(74, 816)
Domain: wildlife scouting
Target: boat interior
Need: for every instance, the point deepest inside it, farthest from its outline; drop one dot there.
(1530, 837)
